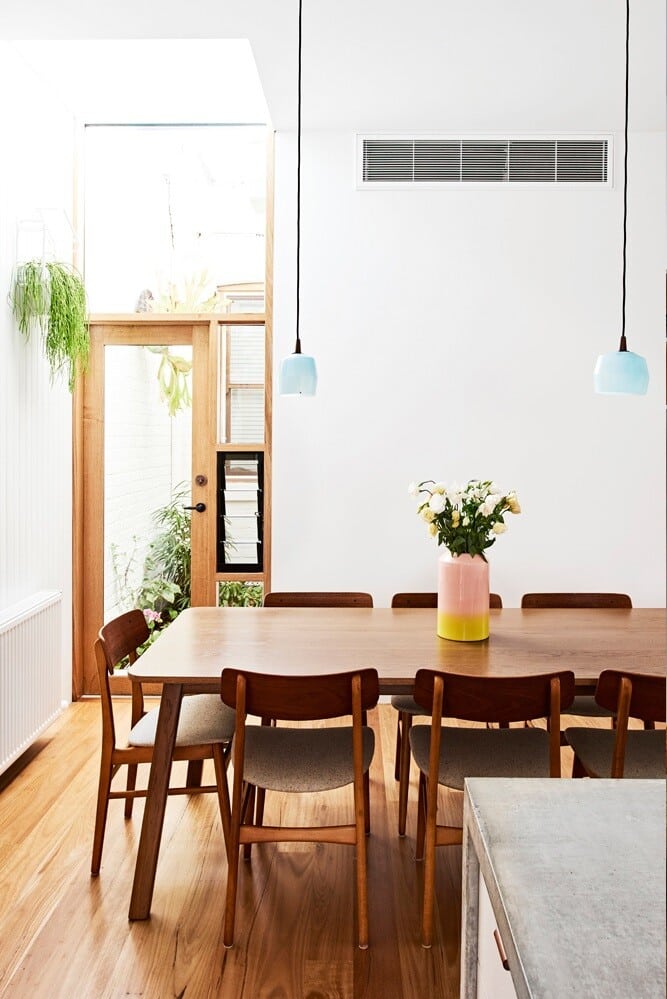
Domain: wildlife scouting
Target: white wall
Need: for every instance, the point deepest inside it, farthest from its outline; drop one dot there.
(455, 334)
(35, 417)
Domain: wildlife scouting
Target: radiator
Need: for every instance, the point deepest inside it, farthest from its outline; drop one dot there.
(30, 672)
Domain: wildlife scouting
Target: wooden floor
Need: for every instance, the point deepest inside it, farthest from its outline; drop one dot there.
(65, 934)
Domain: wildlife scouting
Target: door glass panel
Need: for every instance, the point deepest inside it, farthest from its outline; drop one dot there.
(241, 385)
(147, 476)
(240, 522)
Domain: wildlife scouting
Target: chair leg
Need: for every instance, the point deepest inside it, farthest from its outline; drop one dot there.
(404, 785)
(221, 757)
(249, 817)
(421, 818)
(367, 803)
(232, 882)
(429, 877)
(362, 823)
(578, 769)
(399, 742)
(259, 806)
(194, 774)
(131, 785)
(103, 789)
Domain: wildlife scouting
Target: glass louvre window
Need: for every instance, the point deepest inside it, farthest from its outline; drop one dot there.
(240, 526)
(241, 392)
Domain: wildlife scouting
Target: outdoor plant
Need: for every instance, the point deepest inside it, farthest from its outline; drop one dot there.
(53, 297)
(465, 519)
(239, 594)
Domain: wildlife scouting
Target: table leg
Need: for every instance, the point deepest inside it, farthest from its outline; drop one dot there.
(158, 784)
(469, 917)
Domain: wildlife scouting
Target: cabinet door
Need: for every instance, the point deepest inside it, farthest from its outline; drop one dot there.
(493, 980)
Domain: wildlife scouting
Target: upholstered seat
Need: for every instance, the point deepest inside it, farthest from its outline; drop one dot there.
(203, 719)
(644, 752)
(520, 752)
(304, 759)
(585, 707)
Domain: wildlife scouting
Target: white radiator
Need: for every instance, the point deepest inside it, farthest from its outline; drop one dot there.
(30, 672)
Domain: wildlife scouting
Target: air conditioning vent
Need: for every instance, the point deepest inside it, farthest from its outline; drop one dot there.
(397, 161)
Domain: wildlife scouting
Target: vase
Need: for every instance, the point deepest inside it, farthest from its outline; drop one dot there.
(463, 597)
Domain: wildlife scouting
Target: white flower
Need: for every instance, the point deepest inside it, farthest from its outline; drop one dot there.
(466, 521)
(437, 502)
(413, 489)
(499, 528)
(439, 487)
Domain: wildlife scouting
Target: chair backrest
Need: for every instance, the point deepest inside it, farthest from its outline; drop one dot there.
(431, 600)
(647, 694)
(492, 698)
(317, 599)
(583, 601)
(298, 698)
(118, 640)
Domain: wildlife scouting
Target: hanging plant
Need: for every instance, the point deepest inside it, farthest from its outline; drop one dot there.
(53, 296)
(173, 380)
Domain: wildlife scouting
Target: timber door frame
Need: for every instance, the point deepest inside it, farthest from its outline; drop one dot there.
(148, 329)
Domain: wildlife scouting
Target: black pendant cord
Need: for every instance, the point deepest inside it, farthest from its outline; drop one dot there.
(623, 345)
(298, 192)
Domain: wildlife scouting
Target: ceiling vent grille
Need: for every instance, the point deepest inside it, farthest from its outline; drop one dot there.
(401, 162)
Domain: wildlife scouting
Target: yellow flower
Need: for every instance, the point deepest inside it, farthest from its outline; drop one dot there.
(498, 528)
(433, 529)
(513, 503)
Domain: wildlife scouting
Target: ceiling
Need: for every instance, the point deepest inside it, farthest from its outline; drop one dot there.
(433, 65)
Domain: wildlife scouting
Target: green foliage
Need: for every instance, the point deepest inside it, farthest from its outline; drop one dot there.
(55, 290)
(235, 594)
(174, 380)
(164, 590)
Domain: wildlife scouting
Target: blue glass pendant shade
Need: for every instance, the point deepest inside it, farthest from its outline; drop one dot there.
(298, 375)
(621, 372)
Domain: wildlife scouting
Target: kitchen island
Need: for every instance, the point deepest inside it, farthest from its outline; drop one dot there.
(563, 889)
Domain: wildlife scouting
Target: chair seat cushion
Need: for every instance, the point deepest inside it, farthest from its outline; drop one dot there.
(302, 759)
(407, 703)
(474, 752)
(586, 706)
(203, 719)
(644, 751)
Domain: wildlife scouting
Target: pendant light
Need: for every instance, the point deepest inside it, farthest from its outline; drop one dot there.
(298, 374)
(622, 372)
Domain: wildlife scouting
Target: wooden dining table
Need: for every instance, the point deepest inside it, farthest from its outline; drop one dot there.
(190, 655)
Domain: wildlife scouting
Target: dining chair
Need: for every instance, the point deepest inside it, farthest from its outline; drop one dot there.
(407, 707)
(447, 755)
(313, 598)
(205, 731)
(584, 705)
(619, 752)
(299, 760)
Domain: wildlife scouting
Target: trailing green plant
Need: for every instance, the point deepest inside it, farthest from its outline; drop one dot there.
(173, 379)
(55, 290)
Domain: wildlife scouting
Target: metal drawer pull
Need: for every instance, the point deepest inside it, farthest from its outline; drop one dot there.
(501, 950)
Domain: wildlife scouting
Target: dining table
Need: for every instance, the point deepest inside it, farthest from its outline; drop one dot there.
(190, 655)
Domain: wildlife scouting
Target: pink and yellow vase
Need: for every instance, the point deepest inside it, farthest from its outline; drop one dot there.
(463, 597)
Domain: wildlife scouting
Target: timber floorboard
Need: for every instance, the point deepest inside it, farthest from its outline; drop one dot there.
(65, 935)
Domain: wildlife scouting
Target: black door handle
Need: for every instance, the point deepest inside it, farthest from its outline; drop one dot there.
(199, 507)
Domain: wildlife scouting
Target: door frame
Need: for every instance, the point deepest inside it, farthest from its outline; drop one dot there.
(202, 332)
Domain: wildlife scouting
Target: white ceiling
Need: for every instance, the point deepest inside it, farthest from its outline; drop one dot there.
(443, 65)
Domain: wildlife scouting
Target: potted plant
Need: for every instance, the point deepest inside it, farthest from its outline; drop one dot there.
(52, 296)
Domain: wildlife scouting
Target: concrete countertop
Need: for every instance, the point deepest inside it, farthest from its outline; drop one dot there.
(575, 871)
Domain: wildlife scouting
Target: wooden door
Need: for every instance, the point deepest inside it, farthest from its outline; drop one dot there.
(136, 460)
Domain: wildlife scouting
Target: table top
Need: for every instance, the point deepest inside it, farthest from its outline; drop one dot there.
(203, 640)
(575, 871)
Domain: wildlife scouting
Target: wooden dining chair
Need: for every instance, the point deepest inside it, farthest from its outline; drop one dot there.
(299, 760)
(407, 707)
(313, 598)
(447, 755)
(584, 705)
(623, 753)
(205, 730)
